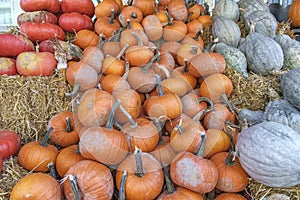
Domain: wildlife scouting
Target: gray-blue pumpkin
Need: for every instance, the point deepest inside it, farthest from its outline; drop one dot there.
(270, 153)
(264, 55)
(291, 51)
(248, 6)
(228, 9)
(226, 31)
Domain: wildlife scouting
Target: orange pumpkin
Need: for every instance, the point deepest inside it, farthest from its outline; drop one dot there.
(216, 141)
(230, 196)
(294, 13)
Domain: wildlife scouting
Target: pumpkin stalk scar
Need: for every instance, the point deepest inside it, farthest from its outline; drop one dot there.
(139, 172)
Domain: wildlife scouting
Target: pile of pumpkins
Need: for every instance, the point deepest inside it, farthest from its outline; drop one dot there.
(151, 102)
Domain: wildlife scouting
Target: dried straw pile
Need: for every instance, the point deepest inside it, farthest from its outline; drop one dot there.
(26, 105)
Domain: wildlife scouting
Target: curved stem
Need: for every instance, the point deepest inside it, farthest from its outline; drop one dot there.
(159, 87)
(164, 69)
(178, 127)
(189, 17)
(208, 100)
(125, 75)
(122, 51)
(169, 182)
(230, 159)
(131, 119)
(112, 16)
(210, 46)
(202, 146)
(46, 137)
(138, 38)
(170, 19)
(122, 186)
(226, 101)
(148, 65)
(185, 67)
(75, 90)
(68, 125)
(109, 123)
(139, 172)
(75, 189)
(52, 170)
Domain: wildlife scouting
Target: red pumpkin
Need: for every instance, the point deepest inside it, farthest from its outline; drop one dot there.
(84, 7)
(35, 5)
(8, 66)
(36, 64)
(10, 143)
(74, 22)
(42, 31)
(12, 45)
(40, 16)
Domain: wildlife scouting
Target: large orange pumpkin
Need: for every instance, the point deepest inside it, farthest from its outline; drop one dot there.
(294, 13)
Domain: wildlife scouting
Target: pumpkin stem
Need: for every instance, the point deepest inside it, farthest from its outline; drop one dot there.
(122, 51)
(74, 91)
(230, 159)
(194, 49)
(225, 100)
(77, 151)
(68, 125)
(169, 182)
(189, 17)
(46, 137)
(148, 65)
(75, 189)
(138, 38)
(178, 127)
(202, 146)
(109, 123)
(52, 170)
(170, 19)
(129, 2)
(139, 163)
(159, 87)
(165, 70)
(125, 75)
(112, 16)
(100, 40)
(198, 34)
(185, 66)
(209, 47)
(131, 119)
(122, 186)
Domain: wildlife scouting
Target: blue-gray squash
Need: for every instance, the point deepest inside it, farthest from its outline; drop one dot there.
(265, 23)
(290, 87)
(252, 117)
(226, 31)
(264, 55)
(283, 112)
(234, 57)
(228, 9)
(291, 51)
(248, 6)
(270, 153)
(279, 12)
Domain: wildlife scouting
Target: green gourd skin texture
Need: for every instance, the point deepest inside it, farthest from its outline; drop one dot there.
(291, 51)
(226, 31)
(290, 87)
(270, 153)
(265, 23)
(264, 55)
(228, 9)
(234, 58)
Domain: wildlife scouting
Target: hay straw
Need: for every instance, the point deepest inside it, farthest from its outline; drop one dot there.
(260, 191)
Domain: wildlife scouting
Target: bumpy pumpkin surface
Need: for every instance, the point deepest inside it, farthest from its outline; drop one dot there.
(265, 23)
(247, 7)
(226, 31)
(263, 54)
(291, 51)
(234, 58)
(270, 153)
(290, 87)
(228, 9)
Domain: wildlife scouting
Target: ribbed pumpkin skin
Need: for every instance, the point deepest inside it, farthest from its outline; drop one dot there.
(234, 57)
(290, 86)
(248, 7)
(291, 51)
(269, 152)
(283, 112)
(228, 9)
(226, 30)
(230, 196)
(263, 54)
(265, 23)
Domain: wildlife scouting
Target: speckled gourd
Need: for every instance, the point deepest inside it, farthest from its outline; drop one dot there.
(226, 31)
(263, 54)
(283, 112)
(234, 57)
(228, 9)
(290, 87)
(270, 153)
(265, 23)
(251, 117)
(291, 51)
(247, 7)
